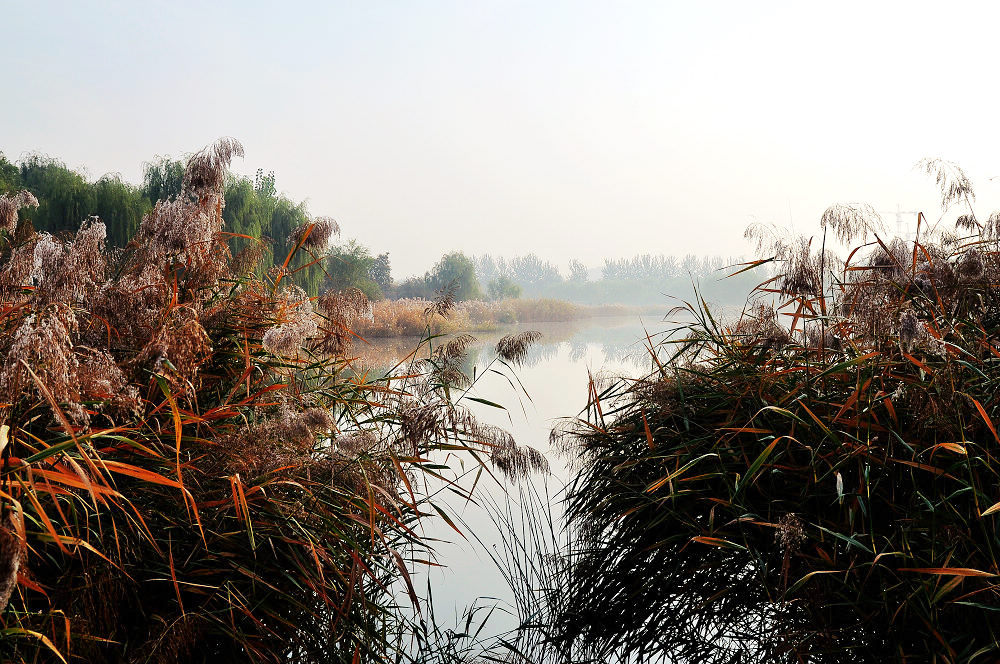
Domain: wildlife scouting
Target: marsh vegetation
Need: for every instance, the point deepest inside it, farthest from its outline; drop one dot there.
(199, 462)
(191, 469)
(814, 482)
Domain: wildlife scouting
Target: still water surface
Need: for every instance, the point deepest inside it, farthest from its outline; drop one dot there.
(554, 377)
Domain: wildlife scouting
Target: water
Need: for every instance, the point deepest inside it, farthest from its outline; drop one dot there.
(554, 378)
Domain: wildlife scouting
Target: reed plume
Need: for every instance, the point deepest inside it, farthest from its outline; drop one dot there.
(771, 496)
(12, 550)
(513, 348)
(200, 467)
(9, 206)
(316, 234)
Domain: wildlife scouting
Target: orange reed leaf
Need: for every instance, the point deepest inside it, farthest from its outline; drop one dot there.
(957, 448)
(18, 631)
(986, 418)
(173, 575)
(46, 521)
(398, 559)
(991, 510)
(947, 571)
(717, 541)
(74, 480)
(140, 473)
(649, 434)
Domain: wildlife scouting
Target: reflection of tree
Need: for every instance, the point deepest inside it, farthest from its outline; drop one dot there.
(629, 352)
(542, 352)
(626, 353)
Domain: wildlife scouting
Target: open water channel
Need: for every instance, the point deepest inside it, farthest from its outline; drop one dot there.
(554, 377)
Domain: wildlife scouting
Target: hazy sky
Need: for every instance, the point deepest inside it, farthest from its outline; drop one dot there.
(573, 129)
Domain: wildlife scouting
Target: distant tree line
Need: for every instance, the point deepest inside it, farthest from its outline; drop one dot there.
(257, 214)
(660, 266)
(641, 279)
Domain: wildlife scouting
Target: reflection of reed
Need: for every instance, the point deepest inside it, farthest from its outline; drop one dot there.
(619, 340)
(577, 350)
(383, 354)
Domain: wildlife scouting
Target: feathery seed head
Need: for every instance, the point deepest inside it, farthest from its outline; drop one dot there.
(513, 348)
(852, 221)
(315, 234)
(9, 206)
(296, 323)
(444, 302)
(206, 169)
(952, 181)
(791, 532)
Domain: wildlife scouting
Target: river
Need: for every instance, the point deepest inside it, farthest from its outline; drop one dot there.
(554, 377)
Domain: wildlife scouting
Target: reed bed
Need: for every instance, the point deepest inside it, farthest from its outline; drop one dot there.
(818, 482)
(414, 317)
(191, 471)
(548, 310)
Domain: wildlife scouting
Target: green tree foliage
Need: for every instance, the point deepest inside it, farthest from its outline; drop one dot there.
(251, 210)
(10, 176)
(641, 280)
(503, 287)
(456, 269)
(381, 272)
(350, 266)
(254, 210)
(120, 206)
(413, 287)
(532, 271)
(489, 268)
(644, 267)
(162, 178)
(65, 198)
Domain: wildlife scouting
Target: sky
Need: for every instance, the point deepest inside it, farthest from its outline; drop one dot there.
(571, 128)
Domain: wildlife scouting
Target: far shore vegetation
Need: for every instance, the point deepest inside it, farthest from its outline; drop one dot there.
(258, 219)
(412, 317)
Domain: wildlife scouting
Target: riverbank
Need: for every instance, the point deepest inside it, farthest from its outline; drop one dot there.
(410, 317)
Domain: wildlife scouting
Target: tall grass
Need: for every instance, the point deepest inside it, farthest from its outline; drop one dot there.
(413, 318)
(535, 556)
(814, 483)
(191, 471)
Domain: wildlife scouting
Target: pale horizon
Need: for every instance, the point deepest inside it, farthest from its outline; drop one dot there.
(569, 129)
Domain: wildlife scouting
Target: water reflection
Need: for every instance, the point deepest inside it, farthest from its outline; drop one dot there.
(554, 376)
(617, 340)
(553, 385)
